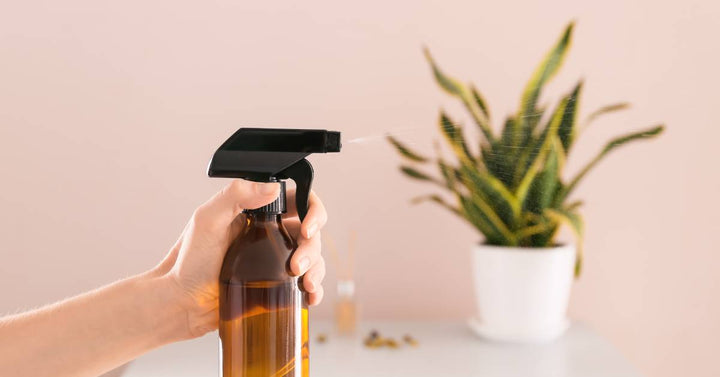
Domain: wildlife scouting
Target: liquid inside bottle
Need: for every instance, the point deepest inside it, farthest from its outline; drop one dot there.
(263, 310)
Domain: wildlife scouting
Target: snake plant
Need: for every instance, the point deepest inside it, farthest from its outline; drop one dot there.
(512, 189)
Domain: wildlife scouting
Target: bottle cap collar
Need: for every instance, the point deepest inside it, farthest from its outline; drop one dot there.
(276, 207)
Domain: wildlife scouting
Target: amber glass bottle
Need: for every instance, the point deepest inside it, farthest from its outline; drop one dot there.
(263, 310)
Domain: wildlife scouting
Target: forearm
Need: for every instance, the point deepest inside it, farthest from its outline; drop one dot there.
(94, 332)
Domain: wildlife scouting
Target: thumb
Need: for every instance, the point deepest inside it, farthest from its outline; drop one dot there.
(227, 204)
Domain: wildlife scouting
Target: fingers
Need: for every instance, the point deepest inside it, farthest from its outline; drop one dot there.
(316, 216)
(312, 280)
(307, 260)
(306, 255)
(223, 208)
(316, 297)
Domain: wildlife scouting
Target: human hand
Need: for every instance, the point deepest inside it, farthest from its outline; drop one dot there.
(192, 266)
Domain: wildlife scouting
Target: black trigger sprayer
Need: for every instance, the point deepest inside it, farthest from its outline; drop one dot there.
(263, 307)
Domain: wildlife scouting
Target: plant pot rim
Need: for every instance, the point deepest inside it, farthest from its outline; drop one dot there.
(515, 249)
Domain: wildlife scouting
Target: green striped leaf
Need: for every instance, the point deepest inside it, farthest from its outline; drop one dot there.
(606, 110)
(447, 83)
(448, 173)
(525, 234)
(482, 216)
(609, 147)
(543, 73)
(572, 206)
(416, 174)
(437, 199)
(405, 151)
(473, 215)
(480, 101)
(523, 157)
(575, 222)
(544, 143)
(531, 121)
(544, 186)
(492, 191)
(454, 135)
(477, 110)
(500, 157)
(567, 129)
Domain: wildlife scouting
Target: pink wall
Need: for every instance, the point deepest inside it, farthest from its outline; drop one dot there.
(109, 112)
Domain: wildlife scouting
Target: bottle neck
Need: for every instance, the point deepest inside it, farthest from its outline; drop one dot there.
(263, 217)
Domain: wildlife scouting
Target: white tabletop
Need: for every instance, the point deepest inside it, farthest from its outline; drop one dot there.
(445, 349)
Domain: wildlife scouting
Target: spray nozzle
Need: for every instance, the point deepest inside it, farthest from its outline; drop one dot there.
(272, 154)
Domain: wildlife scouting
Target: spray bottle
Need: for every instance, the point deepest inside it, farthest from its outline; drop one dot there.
(263, 308)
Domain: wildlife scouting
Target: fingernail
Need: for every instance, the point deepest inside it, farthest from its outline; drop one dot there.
(265, 188)
(304, 264)
(311, 229)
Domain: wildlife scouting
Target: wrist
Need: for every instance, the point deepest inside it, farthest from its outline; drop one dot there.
(197, 311)
(162, 308)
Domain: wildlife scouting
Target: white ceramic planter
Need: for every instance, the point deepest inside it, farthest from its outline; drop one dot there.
(522, 293)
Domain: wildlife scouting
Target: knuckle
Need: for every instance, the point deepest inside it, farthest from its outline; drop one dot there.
(202, 217)
(234, 189)
(229, 191)
(199, 215)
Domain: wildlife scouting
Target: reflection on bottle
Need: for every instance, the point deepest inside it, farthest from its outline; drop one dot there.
(258, 330)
